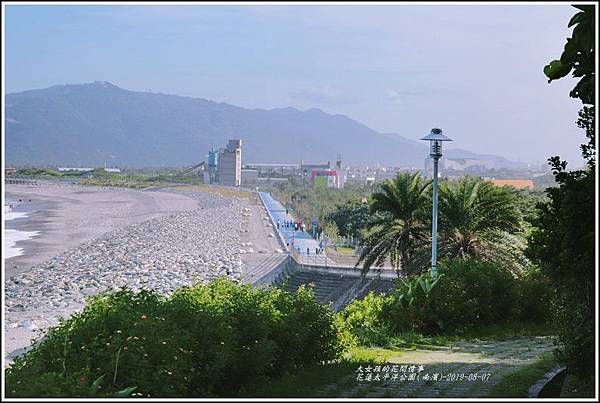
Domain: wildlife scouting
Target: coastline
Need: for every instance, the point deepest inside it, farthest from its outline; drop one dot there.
(68, 215)
(93, 239)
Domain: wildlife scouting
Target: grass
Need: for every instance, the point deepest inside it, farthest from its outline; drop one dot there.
(344, 250)
(311, 382)
(517, 383)
(307, 383)
(370, 354)
(509, 331)
(333, 380)
(100, 177)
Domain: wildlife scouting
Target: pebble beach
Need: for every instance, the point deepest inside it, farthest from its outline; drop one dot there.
(161, 253)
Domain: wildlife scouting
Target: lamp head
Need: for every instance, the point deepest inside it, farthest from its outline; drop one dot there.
(435, 139)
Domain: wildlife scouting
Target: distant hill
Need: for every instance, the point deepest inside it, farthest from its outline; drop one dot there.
(98, 123)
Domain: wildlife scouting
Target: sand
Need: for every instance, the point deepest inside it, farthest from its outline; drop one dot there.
(67, 216)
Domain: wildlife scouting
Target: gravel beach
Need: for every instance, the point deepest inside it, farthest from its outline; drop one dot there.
(107, 238)
(69, 215)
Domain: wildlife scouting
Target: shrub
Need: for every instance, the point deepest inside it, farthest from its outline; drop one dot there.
(408, 309)
(536, 298)
(206, 340)
(363, 320)
(470, 293)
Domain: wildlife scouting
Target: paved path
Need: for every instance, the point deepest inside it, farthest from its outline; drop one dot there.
(468, 369)
(300, 240)
(260, 249)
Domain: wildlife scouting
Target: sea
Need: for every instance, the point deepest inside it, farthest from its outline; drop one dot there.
(12, 236)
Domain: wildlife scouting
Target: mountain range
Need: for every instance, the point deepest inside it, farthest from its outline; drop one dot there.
(99, 123)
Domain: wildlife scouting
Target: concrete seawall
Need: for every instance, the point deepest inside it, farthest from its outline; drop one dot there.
(279, 236)
(337, 286)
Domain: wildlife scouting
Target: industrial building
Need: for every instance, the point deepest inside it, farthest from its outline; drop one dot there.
(249, 177)
(229, 164)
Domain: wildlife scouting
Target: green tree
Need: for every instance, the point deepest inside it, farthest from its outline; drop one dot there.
(578, 56)
(562, 242)
(351, 218)
(330, 229)
(399, 229)
(480, 220)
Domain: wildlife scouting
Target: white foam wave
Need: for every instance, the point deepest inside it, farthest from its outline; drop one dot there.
(12, 236)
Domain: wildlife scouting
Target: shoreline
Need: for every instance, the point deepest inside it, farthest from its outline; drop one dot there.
(14, 231)
(69, 215)
(95, 239)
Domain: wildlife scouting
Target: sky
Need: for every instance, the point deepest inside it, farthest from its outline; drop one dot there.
(476, 71)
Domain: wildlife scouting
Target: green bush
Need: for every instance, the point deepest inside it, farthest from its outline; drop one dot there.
(362, 319)
(206, 340)
(536, 298)
(469, 293)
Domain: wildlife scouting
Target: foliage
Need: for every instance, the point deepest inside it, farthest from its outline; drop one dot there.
(398, 230)
(38, 172)
(517, 384)
(586, 121)
(320, 203)
(536, 297)
(409, 307)
(206, 340)
(470, 298)
(526, 201)
(578, 55)
(562, 244)
(351, 218)
(362, 318)
(330, 229)
(479, 220)
(469, 293)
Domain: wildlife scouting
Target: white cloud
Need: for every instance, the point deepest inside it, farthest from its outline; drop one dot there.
(394, 97)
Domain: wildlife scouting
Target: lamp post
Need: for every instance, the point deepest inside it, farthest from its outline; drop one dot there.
(435, 139)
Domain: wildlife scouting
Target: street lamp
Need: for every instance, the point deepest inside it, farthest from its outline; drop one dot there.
(435, 141)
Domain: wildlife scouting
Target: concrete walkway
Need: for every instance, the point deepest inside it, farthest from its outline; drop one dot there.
(468, 369)
(300, 240)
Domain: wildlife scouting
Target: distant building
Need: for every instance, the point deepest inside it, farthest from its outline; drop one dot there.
(113, 170)
(516, 183)
(229, 164)
(325, 178)
(249, 177)
(283, 169)
(73, 169)
(9, 171)
(306, 169)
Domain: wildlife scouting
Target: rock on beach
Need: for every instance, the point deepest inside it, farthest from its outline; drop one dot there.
(162, 254)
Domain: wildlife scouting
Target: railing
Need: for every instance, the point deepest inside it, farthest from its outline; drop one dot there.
(346, 263)
(279, 236)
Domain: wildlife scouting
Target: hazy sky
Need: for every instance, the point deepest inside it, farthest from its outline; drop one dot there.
(475, 71)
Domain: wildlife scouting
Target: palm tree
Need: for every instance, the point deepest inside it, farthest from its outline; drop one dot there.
(479, 219)
(398, 229)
